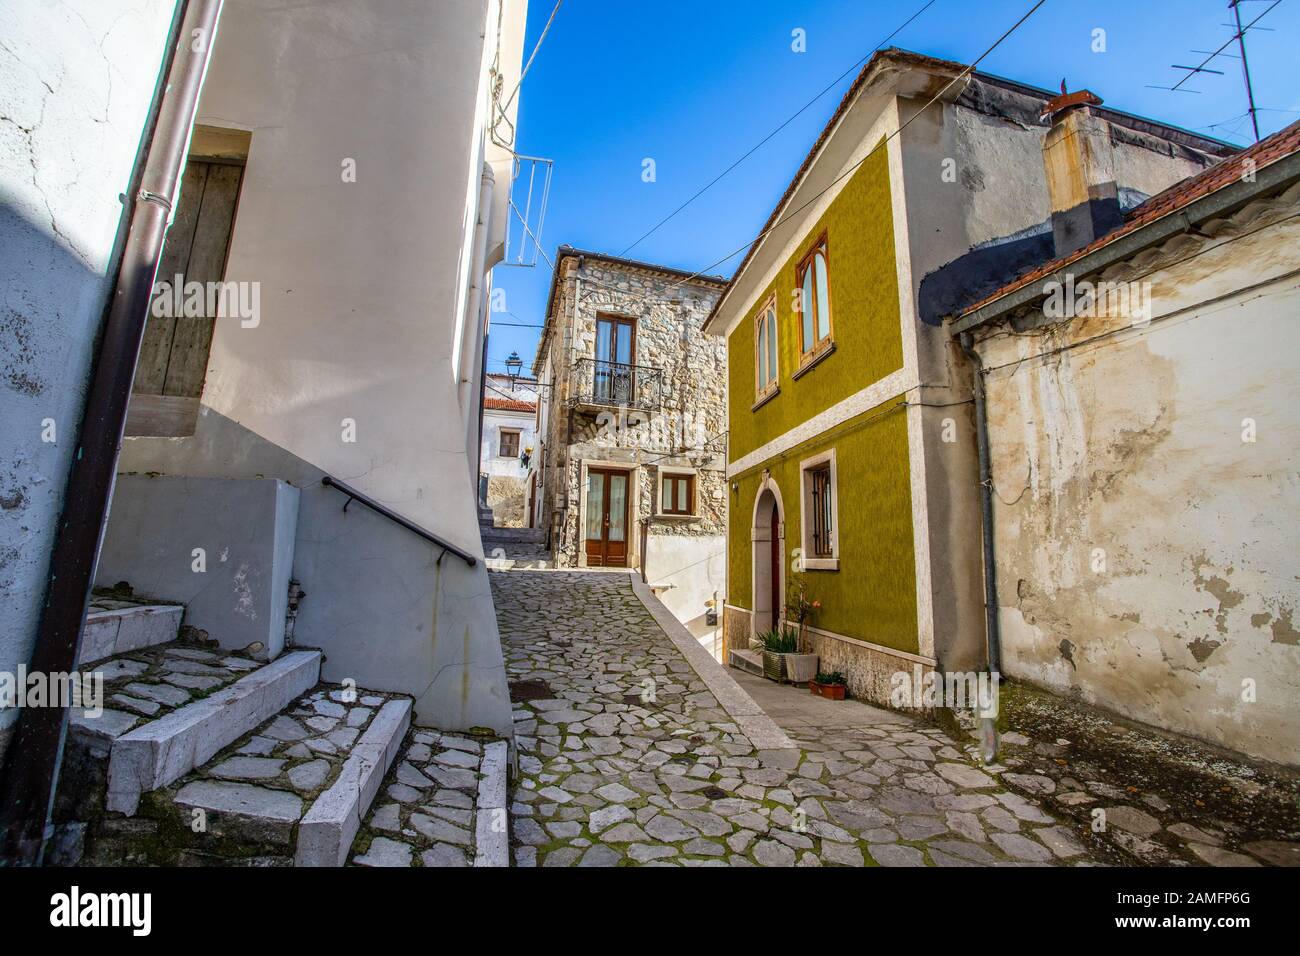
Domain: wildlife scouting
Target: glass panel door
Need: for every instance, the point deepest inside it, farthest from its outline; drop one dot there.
(617, 507)
(595, 505)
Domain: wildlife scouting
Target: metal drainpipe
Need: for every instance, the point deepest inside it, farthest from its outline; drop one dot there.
(36, 751)
(472, 327)
(993, 636)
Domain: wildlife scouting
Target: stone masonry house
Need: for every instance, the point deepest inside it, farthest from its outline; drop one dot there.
(851, 454)
(632, 426)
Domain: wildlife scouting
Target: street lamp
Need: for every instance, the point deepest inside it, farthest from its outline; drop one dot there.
(513, 364)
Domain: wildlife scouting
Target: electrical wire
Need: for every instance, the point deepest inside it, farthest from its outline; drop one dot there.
(753, 149)
(791, 215)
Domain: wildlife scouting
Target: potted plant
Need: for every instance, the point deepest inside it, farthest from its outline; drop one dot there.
(801, 666)
(778, 645)
(831, 686)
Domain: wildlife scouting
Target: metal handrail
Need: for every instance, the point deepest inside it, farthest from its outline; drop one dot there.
(354, 495)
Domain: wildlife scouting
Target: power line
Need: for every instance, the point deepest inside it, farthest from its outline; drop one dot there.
(784, 219)
(753, 149)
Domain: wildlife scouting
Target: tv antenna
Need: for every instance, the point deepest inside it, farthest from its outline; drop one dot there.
(1239, 31)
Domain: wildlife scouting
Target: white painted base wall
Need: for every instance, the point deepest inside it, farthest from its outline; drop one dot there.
(687, 572)
(237, 588)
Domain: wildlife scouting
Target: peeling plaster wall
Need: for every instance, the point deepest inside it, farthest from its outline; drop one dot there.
(364, 300)
(77, 78)
(1146, 557)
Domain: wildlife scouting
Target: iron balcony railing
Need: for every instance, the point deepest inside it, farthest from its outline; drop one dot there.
(615, 384)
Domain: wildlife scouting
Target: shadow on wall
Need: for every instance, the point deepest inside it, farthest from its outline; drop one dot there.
(377, 601)
(51, 309)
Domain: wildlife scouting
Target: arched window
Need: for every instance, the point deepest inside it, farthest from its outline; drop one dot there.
(765, 351)
(815, 300)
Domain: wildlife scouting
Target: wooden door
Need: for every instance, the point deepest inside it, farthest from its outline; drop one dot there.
(775, 558)
(174, 352)
(605, 521)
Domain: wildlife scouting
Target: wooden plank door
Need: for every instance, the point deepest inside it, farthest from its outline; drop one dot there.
(174, 352)
(606, 519)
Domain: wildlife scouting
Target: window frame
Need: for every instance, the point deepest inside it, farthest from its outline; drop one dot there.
(811, 561)
(662, 506)
(808, 262)
(517, 434)
(764, 391)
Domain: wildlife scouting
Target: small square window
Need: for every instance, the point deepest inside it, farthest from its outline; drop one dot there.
(677, 495)
(509, 444)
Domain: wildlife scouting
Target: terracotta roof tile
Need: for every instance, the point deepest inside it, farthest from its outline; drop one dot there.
(509, 404)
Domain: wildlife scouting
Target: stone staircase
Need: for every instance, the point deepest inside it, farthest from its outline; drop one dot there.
(200, 756)
(518, 548)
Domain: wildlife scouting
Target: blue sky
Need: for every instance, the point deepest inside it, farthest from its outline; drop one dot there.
(694, 85)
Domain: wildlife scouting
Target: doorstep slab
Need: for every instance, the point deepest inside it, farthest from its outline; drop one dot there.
(166, 749)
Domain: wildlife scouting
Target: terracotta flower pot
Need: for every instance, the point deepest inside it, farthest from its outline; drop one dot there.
(829, 691)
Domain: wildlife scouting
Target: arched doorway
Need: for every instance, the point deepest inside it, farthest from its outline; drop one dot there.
(768, 555)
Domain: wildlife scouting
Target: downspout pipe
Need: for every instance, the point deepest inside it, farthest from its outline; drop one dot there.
(993, 635)
(32, 769)
(476, 325)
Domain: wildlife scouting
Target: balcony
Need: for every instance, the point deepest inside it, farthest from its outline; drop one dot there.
(598, 384)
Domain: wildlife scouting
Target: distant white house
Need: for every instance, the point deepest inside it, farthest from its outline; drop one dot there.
(508, 441)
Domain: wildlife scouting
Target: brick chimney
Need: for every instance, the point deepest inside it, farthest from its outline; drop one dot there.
(1079, 161)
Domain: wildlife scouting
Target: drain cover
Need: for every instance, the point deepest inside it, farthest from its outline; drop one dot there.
(521, 690)
(714, 793)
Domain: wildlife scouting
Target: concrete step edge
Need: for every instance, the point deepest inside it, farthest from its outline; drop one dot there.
(164, 750)
(108, 633)
(327, 830)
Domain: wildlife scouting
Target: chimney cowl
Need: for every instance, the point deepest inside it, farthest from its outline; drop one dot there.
(1068, 101)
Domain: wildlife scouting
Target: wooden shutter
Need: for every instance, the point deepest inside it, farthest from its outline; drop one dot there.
(174, 353)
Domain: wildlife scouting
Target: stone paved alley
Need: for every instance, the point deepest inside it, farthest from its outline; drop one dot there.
(611, 777)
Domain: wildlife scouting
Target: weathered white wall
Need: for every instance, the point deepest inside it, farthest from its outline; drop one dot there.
(1146, 554)
(689, 570)
(76, 81)
(490, 451)
(237, 589)
(365, 301)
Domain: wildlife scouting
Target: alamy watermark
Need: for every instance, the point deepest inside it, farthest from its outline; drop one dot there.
(1087, 299)
(176, 298)
(957, 690)
(79, 689)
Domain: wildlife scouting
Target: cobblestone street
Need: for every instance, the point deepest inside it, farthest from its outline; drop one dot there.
(628, 757)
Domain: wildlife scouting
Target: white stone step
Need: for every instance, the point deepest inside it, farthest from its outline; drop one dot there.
(118, 627)
(164, 750)
(491, 830)
(326, 832)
